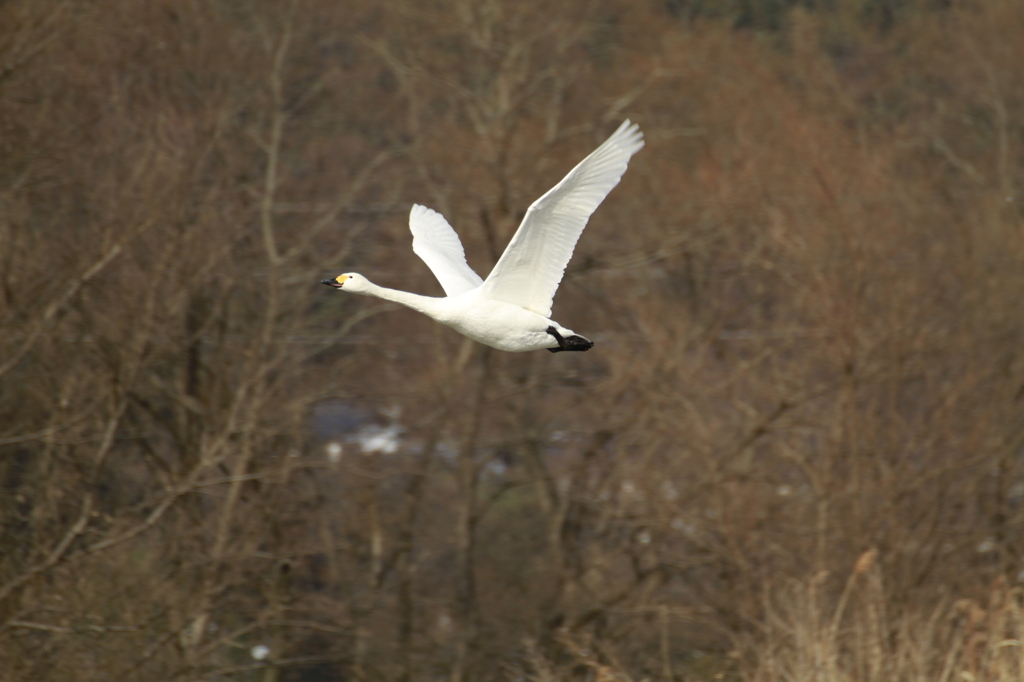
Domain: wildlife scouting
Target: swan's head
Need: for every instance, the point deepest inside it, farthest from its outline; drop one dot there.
(350, 281)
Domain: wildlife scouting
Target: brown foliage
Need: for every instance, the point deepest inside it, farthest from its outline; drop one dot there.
(794, 452)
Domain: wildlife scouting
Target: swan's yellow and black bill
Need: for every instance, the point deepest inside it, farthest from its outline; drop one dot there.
(336, 282)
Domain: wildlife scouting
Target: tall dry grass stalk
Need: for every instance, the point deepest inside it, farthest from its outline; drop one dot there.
(810, 637)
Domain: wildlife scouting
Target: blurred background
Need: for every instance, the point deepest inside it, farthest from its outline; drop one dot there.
(795, 452)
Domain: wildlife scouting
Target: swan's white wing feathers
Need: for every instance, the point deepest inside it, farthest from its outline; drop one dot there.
(530, 270)
(434, 240)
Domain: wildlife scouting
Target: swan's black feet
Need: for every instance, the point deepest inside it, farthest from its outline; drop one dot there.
(569, 342)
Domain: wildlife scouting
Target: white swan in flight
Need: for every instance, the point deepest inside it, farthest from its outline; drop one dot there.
(511, 309)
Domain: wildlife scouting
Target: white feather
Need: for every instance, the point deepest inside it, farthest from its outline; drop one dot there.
(530, 270)
(434, 241)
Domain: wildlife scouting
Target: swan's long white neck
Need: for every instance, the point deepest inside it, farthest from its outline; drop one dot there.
(428, 305)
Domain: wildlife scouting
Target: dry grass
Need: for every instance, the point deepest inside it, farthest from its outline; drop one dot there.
(808, 637)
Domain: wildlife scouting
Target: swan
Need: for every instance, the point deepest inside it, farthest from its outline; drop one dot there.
(511, 309)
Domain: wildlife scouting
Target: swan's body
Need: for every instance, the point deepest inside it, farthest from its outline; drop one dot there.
(511, 309)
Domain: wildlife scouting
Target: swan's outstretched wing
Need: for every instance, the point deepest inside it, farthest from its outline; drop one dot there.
(434, 240)
(529, 271)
